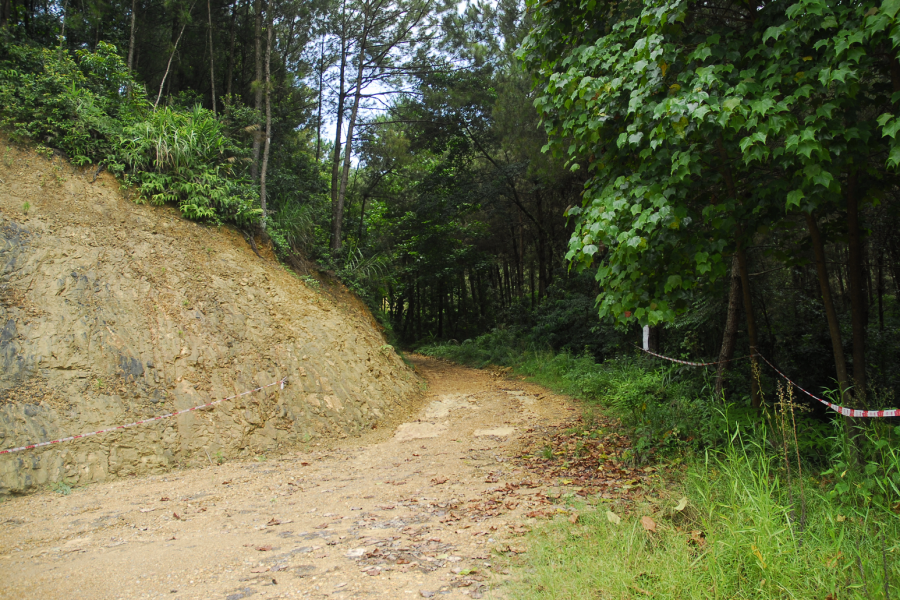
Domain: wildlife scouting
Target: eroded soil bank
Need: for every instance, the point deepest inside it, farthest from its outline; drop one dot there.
(111, 312)
(417, 515)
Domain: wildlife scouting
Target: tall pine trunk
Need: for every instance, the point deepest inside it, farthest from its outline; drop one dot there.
(319, 109)
(729, 339)
(338, 210)
(834, 327)
(336, 156)
(755, 400)
(131, 35)
(229, 72)
(858, 304)
(258, 89)
(265, 163)
(212, 66)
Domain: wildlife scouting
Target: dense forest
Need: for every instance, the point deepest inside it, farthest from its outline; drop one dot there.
(729, 179)
(532, 183)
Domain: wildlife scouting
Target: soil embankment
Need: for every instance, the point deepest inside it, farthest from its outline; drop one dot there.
(111, 312)
(420, 515)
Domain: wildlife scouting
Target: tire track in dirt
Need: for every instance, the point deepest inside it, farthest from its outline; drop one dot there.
(417, 515)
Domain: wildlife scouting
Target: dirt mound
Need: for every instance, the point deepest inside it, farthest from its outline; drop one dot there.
(111, 312)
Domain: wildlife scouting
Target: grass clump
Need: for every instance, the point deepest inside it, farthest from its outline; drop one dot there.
(746, 532)
(779, 504)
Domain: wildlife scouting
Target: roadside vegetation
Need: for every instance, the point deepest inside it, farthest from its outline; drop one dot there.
(530, 184)
(752, 505)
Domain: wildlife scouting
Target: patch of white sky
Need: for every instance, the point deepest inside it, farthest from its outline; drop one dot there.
(379, 97)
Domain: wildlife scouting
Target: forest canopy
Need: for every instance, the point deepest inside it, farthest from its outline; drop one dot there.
(721, 172)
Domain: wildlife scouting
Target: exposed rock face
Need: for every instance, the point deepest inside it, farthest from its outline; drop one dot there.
(112, 312)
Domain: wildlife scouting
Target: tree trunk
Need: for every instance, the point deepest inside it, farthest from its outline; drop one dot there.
(338, 210)
(411, 309)
(532, 291)
(541, 250)
(857, 300)
(212, 66)
(653, 338)
(751, 322)
(834, 328)
(229, 72)
(362, 218)
(439, 292)
(5, 10)
(258, 89)
(131, 35)
(879, 266)
(729, 339)
(169, 64)
(336, 157)
(520, 260)
(265, 163)
(319, 109)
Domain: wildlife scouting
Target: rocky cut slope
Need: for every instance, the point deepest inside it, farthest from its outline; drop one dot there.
(111, 312)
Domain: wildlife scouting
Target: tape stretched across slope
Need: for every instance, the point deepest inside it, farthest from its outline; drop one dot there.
(112, 312)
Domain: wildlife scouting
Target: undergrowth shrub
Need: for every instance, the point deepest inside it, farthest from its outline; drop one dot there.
(88, 106)
(184, 157)
(498, 347)
(748, 529)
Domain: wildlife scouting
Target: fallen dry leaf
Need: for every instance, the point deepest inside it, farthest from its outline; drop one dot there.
(163, 499)
(682, 504)
(274, 521)
(176, 516)
(322, 526)
(573, 518)
(648, 524)
(642, 591)
(439, 480)
(264, 548)
(613, 517)
(226, 482)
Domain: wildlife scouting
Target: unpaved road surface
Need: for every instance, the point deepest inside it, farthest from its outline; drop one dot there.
(421, 514)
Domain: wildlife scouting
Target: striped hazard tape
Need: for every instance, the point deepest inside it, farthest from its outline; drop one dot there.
(150, 420)
(690, 364)
(847, 412)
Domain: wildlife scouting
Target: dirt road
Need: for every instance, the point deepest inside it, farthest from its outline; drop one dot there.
(417, 515)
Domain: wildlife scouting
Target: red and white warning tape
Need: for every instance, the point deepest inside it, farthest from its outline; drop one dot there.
(150, 420)
(847, 412)
(690, 364)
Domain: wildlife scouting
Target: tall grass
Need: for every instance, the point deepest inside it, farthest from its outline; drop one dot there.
(738, 537)
(780, 505)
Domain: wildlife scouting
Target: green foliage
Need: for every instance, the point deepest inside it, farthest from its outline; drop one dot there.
(866, 474)
(741, 535)
(499, 347)
(61, 487)
(184, 157)
(89, 107)
(697, 131)
(74, 103)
